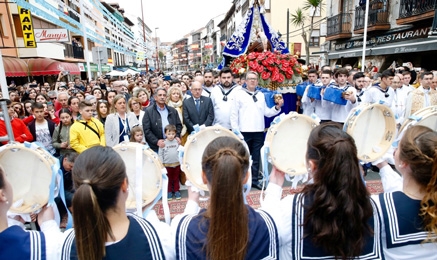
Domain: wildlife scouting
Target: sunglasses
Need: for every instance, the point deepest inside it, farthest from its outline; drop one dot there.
(103, 101)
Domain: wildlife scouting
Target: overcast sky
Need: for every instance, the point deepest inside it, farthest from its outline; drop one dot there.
(175, 18)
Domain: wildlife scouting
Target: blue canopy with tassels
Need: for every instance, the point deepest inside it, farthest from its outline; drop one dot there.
(240, 39)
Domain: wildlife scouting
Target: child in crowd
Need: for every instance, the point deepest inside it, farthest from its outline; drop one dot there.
(137, 135)
(41, 128)
(61, 135)
(169, 157)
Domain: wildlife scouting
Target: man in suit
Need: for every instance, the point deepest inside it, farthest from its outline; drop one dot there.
(198, 110)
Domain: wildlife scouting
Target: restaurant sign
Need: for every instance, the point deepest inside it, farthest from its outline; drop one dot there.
(384, 39)
(51, 35)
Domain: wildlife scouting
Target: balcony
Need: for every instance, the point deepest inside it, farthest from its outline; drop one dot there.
(339, 26)
(378, 17)
(71, 51)
(411, 11)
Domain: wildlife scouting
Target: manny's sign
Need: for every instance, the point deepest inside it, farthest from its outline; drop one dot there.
(51, 35)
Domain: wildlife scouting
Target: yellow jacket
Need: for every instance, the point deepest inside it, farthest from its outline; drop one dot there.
(82, 137)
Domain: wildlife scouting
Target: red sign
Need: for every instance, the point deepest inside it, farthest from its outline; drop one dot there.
(51, 35)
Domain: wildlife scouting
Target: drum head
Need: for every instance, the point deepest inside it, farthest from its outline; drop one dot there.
(152, 173)
(193, 151)
(287, 141)
(426, 117)
(29, 172)
(373, 128)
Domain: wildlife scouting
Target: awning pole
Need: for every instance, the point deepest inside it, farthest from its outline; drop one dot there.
(366, 18)
(4, 84)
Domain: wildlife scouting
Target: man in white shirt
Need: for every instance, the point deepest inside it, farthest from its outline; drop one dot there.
(247, 116)
(423, 96)
(222, 97)
(208, 83)
(381, 92)
(399, 99)
(339, 113)
(308, 104)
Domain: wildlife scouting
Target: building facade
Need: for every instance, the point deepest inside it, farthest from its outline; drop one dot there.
(397, 32)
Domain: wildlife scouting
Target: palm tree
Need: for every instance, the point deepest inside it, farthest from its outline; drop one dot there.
(298, 19)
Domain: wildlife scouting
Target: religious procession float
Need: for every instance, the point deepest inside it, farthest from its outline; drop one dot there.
(256, 46)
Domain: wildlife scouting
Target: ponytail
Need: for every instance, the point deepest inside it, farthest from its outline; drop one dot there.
(97, 189)
(91, 229)
(418, 148)
(337, 194)
(225, 163)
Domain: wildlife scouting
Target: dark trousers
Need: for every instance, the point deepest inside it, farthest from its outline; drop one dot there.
(255, 141)
(173, 178)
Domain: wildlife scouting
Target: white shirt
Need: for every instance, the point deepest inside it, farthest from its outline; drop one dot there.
(399, 103)
(248, 115)
(375, 95)
(409, 104)
(206, 89)
(222, 109)
(339, 113)
(308, 106)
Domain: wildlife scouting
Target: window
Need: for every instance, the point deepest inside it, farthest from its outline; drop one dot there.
(315, 39)
(347, 6)
(17, 25)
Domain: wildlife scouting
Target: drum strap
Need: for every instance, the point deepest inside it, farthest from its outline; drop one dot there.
(92, 129)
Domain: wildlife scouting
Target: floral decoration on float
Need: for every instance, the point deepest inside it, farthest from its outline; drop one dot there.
(275, 70)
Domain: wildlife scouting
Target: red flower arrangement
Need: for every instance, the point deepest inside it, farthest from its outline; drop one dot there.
(271, 66)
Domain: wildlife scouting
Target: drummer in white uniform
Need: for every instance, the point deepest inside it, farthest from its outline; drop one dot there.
(15, 242)
(381, 92)
(408, 210)
(222, 97)
(339, 112)
(333, 217)
(101, 226)
(228, 228)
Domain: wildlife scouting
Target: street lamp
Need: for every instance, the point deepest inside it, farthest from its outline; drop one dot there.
(157, 53)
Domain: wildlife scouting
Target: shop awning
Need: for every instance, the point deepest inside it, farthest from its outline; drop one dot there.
(419, 45)
(42, 67)
(15, 67)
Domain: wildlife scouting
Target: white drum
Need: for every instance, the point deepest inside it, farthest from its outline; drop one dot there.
(373, 127)
(426, 117)
(30, 173)
(193, 152)
(151, 172)
(287, 143)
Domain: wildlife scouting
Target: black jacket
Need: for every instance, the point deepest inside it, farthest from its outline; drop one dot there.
(32, 128)
(152, 125)
(192, 117)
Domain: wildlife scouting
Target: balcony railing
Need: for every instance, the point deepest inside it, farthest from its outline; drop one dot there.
(378, 14)
(341, 23)
(74, 16)
(73, 51)
(415, 7)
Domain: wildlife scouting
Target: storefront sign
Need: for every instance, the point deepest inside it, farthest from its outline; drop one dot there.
(384, 39)
(27, 27)
(51, 35)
